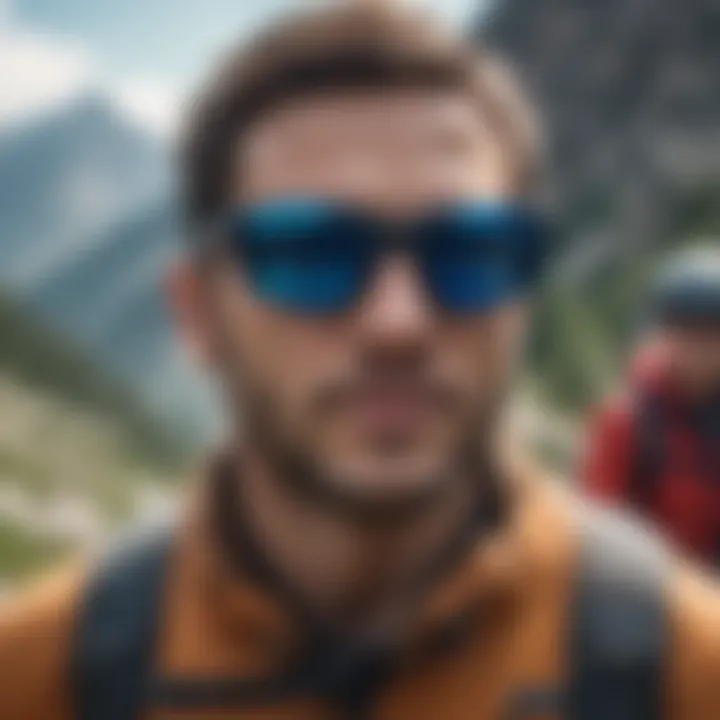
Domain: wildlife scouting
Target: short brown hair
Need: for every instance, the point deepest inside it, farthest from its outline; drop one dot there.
(353, 45)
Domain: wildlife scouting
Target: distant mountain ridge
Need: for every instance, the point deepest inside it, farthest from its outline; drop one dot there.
(68, 174)
(89, 228)
(630, 94)
(630, 90)
(36, 356)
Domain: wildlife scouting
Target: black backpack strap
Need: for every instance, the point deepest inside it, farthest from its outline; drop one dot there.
(117, 626)
(620, 622)
(650, 452)
(619, 626)
(115, 642)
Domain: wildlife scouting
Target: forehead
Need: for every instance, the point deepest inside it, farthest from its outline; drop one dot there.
(403, 147)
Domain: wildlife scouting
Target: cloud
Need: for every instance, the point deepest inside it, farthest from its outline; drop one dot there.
(39, 73)
(460, 13)
(4, 14)
(154, 105)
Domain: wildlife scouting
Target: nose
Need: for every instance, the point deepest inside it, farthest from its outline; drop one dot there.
(396, 310)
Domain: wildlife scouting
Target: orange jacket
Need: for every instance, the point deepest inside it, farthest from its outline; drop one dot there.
(521, 581)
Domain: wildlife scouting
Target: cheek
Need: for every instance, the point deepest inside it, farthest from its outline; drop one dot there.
(289, 356)
(245, 335)
(497, 356)
(488, 350)
(293, 353)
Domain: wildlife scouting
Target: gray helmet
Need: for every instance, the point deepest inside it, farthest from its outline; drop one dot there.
(687, 289)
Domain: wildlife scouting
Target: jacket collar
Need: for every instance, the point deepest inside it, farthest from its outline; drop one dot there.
(484, 577)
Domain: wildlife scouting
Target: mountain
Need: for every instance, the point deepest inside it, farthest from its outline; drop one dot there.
(37, 356)
(110, 296)
(629, 91)
(88, 229)
(67, 175)
(85, 441)
(630, 94)
(78, 454)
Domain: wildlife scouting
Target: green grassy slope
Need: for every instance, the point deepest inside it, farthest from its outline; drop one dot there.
(78, 454)
(38, 356)
(583, 332)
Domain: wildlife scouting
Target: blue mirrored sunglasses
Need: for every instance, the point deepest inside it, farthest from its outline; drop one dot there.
(317, 257)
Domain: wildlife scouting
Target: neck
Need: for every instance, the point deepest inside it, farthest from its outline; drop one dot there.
(360, 575)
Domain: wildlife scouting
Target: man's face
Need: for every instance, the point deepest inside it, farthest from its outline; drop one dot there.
(695, 356)
(381, 401)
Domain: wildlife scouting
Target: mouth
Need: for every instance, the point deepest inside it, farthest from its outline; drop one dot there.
(392, 410)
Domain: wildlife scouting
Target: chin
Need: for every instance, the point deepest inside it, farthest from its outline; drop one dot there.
(380, 481)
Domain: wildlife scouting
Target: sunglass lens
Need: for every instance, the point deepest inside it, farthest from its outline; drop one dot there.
(303, 256)
(478, 256)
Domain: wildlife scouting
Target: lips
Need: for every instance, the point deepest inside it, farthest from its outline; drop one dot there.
(392, 410)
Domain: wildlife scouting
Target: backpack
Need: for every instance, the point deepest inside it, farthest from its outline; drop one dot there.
(617, 638)
(650, 451)
(654, 454)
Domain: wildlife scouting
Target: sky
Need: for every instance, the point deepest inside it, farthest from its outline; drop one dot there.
(145, 53)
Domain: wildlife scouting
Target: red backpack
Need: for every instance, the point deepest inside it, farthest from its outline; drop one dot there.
(676, 474)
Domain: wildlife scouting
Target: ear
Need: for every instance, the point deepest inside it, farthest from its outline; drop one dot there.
(186, 291)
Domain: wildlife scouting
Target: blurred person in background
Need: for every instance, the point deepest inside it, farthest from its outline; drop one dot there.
(656, 447)
(363, 248)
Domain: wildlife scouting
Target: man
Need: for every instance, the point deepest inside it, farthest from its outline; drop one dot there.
(362, 247)
(657, 446)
